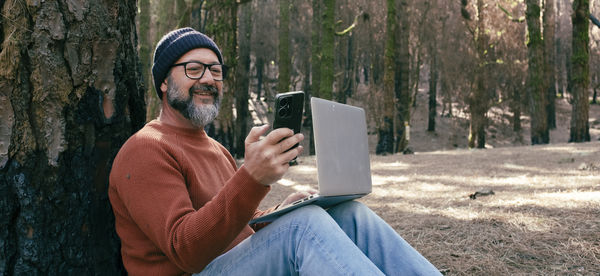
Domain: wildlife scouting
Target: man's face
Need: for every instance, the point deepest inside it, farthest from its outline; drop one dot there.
(196, 100)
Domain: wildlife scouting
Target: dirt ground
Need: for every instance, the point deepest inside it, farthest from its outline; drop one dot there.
(543, 217)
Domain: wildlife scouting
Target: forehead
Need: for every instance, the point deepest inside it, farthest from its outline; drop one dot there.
(199, 54)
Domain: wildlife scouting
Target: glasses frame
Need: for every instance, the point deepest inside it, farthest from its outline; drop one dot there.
(206, 66)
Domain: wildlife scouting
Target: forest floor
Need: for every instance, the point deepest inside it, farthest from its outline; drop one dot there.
(543, 215)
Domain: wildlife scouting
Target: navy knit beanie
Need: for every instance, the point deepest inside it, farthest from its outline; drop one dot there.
(174, 45)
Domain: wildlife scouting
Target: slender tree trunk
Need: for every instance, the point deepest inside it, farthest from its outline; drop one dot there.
(315, 66)
(71, 94)
(516, 108)
(260, 67)
(478, 99)
(145, 53)
(243, 80)
(580, 129)
(385, 145)
(285, 60)
(347, 78)
(549, 62)
(196, 19)
(433, 79)
(402, 91)
(416, 75)
(327, 49)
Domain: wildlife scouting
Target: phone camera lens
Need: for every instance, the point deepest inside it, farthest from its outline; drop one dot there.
(284, 111)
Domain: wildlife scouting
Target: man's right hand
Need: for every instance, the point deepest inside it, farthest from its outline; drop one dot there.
(267, 159)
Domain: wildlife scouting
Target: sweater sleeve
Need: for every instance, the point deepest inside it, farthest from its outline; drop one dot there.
(154, 192)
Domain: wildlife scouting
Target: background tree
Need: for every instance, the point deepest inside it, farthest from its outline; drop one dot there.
(315, 74)
(549, 61)
(402, 82)
(385, 144)
(327, 49)
(285, 59)
(223, 28)
(580, 129)
(478, 98)
(71, 93)
(243, 118)
(536, 92)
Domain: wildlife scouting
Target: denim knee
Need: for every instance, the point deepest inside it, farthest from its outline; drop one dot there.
(350, 209)
(310, 214)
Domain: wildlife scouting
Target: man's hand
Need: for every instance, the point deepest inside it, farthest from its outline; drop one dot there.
(268, 159)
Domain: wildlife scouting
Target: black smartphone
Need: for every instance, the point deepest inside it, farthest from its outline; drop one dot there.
(288, 111)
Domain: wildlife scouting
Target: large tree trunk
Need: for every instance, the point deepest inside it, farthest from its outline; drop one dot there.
(536, 92)
(580, 78)
(385, 144)
(71, 93)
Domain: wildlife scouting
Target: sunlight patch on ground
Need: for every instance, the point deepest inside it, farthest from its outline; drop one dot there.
(568, 149)
(379, 180)
(394, 165)
(573, 196)
(304, 169)
(294, 185)
(457, 152)
(286, 182)
(514, 166)
(520, 219)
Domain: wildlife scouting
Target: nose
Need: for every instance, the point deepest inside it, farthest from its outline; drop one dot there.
(207, 77)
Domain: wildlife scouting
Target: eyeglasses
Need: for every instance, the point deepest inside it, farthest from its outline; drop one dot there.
(195, 70)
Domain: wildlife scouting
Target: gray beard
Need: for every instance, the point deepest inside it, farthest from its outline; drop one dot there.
(199, 115)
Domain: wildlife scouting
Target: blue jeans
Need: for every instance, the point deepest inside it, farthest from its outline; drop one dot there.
(348, 239)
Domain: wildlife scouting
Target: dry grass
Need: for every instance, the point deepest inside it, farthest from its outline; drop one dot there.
(544, 218)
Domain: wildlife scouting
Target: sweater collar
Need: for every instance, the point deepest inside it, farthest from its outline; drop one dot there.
(191, 132)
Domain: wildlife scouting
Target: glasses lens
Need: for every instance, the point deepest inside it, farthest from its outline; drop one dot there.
(216, 70)
(194, 70)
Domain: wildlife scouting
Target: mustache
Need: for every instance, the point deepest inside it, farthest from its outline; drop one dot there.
(204, 88)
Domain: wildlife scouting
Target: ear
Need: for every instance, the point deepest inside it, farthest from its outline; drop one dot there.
(163, 86)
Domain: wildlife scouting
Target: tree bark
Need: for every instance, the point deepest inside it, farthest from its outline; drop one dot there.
(580, 129)
(536, 92)
(315, 67)
(327, 49)
(433, 79)
(385, 144)
(71, 92)
(146, 54)
(224, 31)
(478, 98)
(285, 61)
(402, 90)
(243, 81)
(549, 62)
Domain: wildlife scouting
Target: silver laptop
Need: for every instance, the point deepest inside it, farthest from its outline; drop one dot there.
(342, 149)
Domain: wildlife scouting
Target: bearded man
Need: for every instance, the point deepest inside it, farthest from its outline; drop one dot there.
(182, 205)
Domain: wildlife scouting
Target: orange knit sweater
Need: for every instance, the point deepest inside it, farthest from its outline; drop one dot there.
(179, 200)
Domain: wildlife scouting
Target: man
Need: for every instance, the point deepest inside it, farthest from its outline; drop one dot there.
(182, 206)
